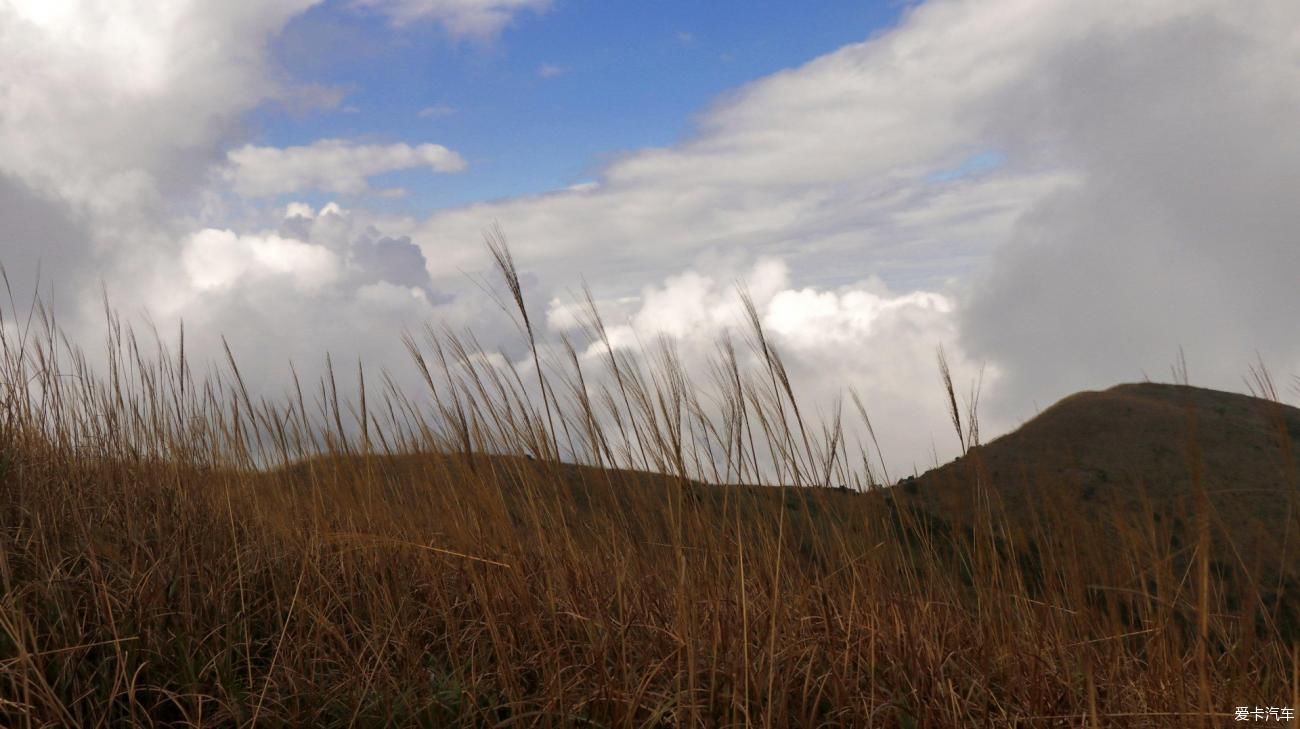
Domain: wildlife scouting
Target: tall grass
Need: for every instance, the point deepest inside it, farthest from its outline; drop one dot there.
(174, 552)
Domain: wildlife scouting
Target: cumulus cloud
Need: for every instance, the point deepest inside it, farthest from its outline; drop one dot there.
(216, 259)
(469, 18)
(333, 245)
(394, 261)
(112, 114)
(310, 253)
(324, 280)
(106, 105)
(859, 337)
(331, 165)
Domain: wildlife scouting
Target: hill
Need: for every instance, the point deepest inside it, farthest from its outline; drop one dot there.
(1138, 457)
(1135, 457)
(650, 509)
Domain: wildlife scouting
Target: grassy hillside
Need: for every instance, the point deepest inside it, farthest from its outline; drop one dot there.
(1144, 442)
(154, 574)
(1144, 462)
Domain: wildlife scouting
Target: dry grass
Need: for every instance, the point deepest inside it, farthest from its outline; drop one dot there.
(174, 553)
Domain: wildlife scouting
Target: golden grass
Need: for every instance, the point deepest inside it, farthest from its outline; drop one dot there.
(173, 553)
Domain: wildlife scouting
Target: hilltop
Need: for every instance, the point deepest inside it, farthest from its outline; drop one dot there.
(1137, 457)
(1117, 446)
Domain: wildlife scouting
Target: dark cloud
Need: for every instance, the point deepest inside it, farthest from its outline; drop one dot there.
(396, 261)
(40, 234)
(1182, 229)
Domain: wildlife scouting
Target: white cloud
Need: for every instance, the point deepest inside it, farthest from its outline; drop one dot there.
(112, 113)
(109, 104)
(466, 18)
(551, 70)
(437, 111)
(298, 210)
(331, 165)
(323, 281)
(216, 259)
(860, 336)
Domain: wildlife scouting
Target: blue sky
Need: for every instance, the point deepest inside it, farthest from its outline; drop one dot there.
(626, 76)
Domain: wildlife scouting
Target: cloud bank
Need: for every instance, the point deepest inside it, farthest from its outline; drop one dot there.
(329, 165)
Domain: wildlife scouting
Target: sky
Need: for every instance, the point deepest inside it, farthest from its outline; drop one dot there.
(1063, 196)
